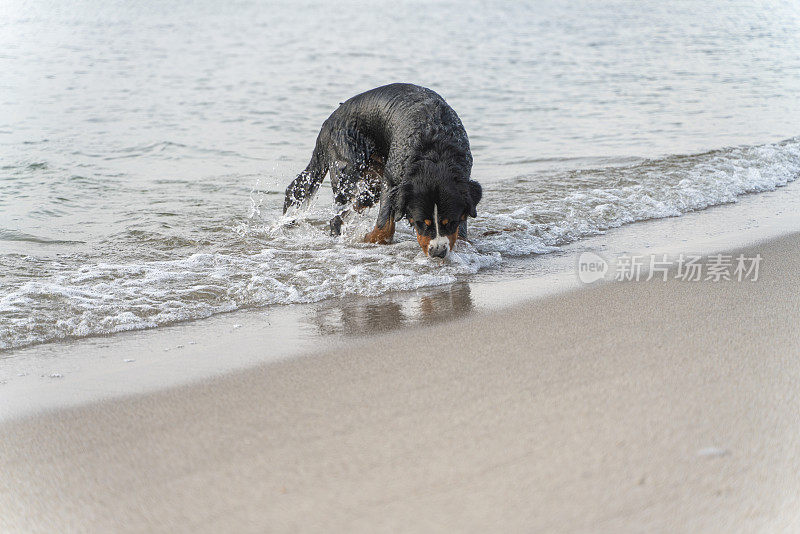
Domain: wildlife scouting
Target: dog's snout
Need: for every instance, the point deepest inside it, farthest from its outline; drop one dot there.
(438, 251)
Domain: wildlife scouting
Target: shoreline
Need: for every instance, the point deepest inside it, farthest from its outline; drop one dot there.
(74, 372)
(660, 406)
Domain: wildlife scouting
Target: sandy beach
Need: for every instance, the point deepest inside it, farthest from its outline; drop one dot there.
(628, 407)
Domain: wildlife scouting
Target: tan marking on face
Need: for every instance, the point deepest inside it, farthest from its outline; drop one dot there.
(445, 221)
(464, 217)
(427, 222)
(452, 238)
(424, 241)
(382, 236)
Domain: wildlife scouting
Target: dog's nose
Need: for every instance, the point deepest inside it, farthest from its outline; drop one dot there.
(437, 251)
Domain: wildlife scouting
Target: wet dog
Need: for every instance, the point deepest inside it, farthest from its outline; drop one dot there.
(400, 145)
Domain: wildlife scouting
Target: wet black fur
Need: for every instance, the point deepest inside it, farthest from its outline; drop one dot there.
(426, 154)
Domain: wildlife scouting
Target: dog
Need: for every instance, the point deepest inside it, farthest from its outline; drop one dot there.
(400, 145)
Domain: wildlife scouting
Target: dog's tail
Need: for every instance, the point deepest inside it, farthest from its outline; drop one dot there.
(305, 186)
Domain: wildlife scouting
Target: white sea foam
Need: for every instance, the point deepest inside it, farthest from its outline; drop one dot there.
(550, 210)
(281, 261)
(303, 265)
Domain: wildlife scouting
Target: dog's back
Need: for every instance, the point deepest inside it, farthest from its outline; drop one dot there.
(397, 117)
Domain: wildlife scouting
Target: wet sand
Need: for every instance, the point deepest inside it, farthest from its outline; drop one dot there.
(658, 407)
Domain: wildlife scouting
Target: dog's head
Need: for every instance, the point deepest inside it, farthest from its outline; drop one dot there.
(435, 204)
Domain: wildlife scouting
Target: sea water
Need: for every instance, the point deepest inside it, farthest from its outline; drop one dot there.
(144, 147)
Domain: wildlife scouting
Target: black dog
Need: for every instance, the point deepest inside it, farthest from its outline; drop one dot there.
(404, 145)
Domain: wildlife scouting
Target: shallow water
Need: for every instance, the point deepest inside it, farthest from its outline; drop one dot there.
(145, 148)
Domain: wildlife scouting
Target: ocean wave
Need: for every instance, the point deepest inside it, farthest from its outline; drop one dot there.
(547, 210)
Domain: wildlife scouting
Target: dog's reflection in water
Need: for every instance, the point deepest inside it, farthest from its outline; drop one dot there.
(361, 316)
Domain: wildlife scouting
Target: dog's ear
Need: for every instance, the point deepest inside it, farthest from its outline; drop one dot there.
(475, 195)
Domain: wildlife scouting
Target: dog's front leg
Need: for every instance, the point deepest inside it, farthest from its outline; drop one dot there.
(381, 235)
(385, 225)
